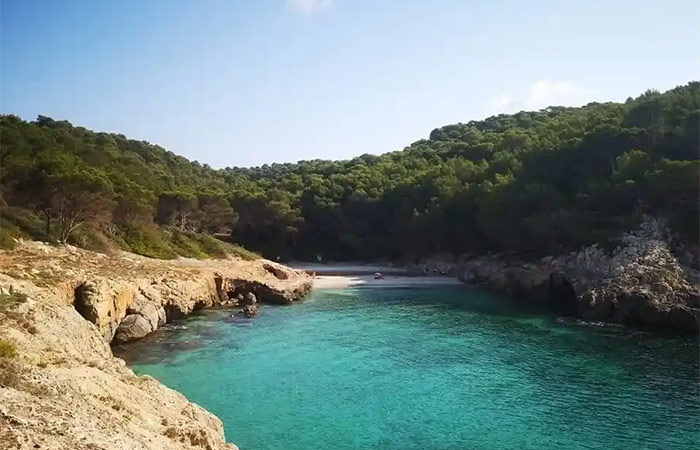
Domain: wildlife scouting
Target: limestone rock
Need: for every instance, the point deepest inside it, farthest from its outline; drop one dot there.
(279, 271)
(250, 310)
(248, 299)
(640, 282)
(74, 393)
(104, 303)
(153, 313)
(134, 326)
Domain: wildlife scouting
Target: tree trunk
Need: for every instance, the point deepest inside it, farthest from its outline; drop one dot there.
(48, 224)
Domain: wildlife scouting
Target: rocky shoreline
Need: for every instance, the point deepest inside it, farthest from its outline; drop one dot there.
(62, 307)
(641, 282)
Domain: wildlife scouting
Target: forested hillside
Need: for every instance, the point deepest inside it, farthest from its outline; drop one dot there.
(530, 183)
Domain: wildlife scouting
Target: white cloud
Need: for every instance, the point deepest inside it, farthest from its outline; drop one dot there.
(555, 93)
(542, 94)
(501, 103)
(308, 7)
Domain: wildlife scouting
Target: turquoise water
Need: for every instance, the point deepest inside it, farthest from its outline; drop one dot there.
(442, 368)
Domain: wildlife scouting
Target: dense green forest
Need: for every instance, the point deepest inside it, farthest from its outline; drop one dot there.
(531, 183)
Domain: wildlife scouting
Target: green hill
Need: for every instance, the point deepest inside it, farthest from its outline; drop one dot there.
(531, 183)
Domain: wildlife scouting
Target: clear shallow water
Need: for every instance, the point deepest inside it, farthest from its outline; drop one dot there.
(439, 368)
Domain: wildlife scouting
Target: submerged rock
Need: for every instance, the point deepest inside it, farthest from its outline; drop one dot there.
(250, 310)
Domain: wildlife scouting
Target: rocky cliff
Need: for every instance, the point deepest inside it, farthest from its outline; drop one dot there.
(639, 282)
(61, 307)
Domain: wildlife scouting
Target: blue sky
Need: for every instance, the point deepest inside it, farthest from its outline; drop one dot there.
(239, 83)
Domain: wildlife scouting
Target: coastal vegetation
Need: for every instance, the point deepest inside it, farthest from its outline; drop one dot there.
(7, 349)
(530, 184)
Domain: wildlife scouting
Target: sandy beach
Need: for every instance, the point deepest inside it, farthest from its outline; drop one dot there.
(348, 269)
(389, 281)
(343, 275)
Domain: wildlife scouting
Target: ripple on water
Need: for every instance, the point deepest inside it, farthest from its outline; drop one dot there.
(447, 368)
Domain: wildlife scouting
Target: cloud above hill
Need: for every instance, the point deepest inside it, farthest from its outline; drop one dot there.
(308, 7)
(541, 94)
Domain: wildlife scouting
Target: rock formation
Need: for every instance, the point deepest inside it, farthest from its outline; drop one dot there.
(250, 311)
(640, 282)
(60, 307)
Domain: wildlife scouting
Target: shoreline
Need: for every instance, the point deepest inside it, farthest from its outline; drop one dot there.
(62, 307)
(389, 281)
(340, 269)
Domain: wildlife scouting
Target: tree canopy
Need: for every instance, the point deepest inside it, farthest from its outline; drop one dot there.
(529, 183)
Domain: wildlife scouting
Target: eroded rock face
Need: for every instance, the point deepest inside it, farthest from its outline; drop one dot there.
(640, 282)
(152, 311)
(128, 310)
(70, 392)
(279, 271)
(560, 294)
(242, 289)
(104, 303)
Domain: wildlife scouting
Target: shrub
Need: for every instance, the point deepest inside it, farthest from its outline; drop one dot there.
(7, 237)
(7, 349)
(211, 246)
(148, 241)
(11, 298)
(240, 252)
(90, 238)
(184, 244)
(23, 222)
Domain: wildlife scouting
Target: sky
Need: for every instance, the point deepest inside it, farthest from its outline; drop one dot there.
(242, 83)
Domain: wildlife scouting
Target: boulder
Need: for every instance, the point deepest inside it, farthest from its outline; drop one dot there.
(280, 272)
(154, 314)
(641, 282)
(528, 282)
(595, 306)
(134, 326)
(250, 310)
(519, 281)
(248, 299)
(269, 293)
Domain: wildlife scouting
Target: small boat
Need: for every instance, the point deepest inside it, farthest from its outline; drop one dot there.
(378, 276)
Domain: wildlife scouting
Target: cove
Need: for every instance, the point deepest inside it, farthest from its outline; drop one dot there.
(432, 368)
